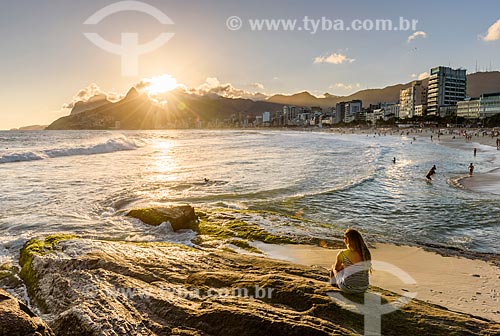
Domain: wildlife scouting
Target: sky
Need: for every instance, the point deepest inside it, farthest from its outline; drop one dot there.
(45, 59)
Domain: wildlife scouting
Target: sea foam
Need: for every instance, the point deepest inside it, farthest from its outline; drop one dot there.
(108, 146)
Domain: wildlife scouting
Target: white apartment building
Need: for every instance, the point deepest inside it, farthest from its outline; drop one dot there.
(483, 107)
(469, 108)
(410, 98)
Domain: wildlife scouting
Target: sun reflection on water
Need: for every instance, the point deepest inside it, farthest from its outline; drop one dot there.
(163, 163)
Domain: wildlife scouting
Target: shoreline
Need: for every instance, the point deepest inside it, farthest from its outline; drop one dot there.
(457, 283)
(487, 182)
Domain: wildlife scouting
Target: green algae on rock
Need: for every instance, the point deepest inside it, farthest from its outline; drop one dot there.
(223, 225)
(179, 217)
(35, 247)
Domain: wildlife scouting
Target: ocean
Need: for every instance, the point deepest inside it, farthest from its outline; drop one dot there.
(83, 182)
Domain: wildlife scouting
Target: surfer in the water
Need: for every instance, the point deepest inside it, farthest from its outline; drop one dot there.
(431, 172)
(394, 160)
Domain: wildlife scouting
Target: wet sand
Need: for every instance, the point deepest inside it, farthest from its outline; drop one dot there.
(459, 284)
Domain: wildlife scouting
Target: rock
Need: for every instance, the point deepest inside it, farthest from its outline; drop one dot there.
(180, 217)
(16, 319)
(9, 276)
(89, 287)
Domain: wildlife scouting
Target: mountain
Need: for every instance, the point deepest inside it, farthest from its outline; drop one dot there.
(483, 82)
(301, 99)
(137, 111)
(183, 109)
(30, 128)
(93, 102)
(477, 83)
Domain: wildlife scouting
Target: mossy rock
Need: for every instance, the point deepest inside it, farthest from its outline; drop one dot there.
(244, 245)
(224, 226)
(37, 247)
(179, 217)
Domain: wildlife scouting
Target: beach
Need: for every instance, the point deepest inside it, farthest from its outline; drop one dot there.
(459, 284)
(277, 194)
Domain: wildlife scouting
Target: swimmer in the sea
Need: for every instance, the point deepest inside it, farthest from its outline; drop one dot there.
(431, 172)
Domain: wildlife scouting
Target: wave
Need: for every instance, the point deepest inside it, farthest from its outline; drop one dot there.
(344, 187)
(109, 146)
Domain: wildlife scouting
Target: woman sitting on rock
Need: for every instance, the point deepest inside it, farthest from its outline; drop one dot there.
(351, 271)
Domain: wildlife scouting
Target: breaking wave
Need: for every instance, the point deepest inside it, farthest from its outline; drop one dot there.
(108, 146)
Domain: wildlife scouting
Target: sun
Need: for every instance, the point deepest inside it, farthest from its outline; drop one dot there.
(161, 84)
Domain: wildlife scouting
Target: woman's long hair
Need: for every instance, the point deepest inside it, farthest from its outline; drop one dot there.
(358, 244)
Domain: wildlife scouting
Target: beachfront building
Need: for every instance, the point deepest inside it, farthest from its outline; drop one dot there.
(375, 115)
(410, 98)
(447, 86)
(479, 108)
(352, 109)
(420, 110)
(490, 105)
(339, 112)
(469, 108)
(391, 111)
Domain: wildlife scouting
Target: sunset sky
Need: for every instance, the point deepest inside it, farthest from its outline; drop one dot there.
(45, 59)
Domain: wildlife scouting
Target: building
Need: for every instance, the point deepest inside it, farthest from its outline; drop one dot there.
(410, 98)
(391, 111)
(469, 108)
(447, 86)
(339, 112)
(290, 114)
(420, 110)
(490, 105)
(479, 108)
(375, 115)
(266, 117)
(352, 109)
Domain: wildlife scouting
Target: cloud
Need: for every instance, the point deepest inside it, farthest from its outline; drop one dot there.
(344, 86)
(258, 86)
(493, 33)
(334, 58)
(417, 34)
(420, 76)
(213, 86)
(89, 92)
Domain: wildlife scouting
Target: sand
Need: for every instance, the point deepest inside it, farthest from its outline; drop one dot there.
(459, 284)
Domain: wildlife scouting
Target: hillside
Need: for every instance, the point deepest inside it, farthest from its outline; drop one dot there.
(137, 111)
(30, 128)
(477, 83)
